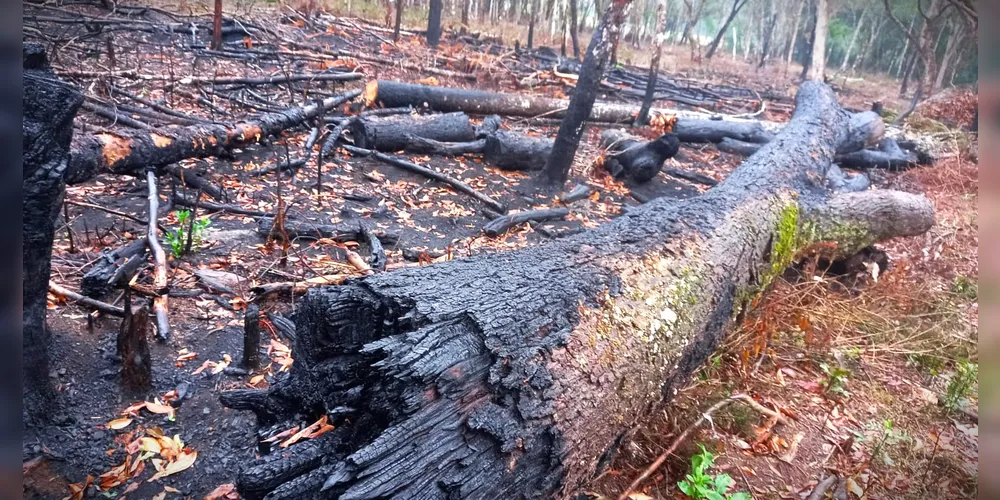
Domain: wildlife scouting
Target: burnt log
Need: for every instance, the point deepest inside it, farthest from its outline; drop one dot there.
(112, 266)
(392, 94)
(639, 160)
(131, 152)
(501, 224)
(888, 155)
(517, 374)
(701, 131)
(421, 145)
(352, 229)
(513, 151)
(389, 134)
(133, 348)
(49, 107)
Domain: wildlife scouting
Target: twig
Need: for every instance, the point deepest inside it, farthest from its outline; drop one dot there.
(86, 301)
(159, 261)
(426, 172)
(821, 488)
(219, 207)
(704, 416)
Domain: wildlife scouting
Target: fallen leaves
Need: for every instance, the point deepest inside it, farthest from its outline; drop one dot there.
(223, 492)
(217, 367)
(119, 423)
(314, 430)
(184, 460)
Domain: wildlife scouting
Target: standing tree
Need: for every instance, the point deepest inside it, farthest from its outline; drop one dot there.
(595, 62)
(217, 26)
(737, 6)
(771, 22)
(49, 107)
(399, 19)
(434, 23)
(573, 27)
(817, 61)
(923, 42)
(854, 39)
(531, 24)
(654, 65)
(795, 34)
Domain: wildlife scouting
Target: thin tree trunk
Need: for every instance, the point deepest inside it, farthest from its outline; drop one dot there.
(902, 54)
(217, 26)
(950, 51)
(737, 6)
(595, 63)
(854, 38)
(866, 51)
(465, 12)
(434, 23)
(768, 33)
(399, 19)
(531, 24)
(795, 34)
(654, 66)
(574, 27)
(817, 64)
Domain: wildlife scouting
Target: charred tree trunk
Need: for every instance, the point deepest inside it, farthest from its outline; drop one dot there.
(390, 134)
(574, 27)
(434, 23)
(531, 24)
(392, 94)
(737, 6)
(251, 338)
(513, 151)
(517, 374)
(654, 66)
(112, 266)
(595, 63)
(132, 152)
(639, 160)
(217, 26)
(133, 347)
(49, 107)
(399, 20)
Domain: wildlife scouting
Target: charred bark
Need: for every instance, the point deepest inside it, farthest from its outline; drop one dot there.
(251, 338)
(434, 22)
(133, 348)
(49, 106)
(602, 49)
(445, 99)
(513, 151)
(501, 224)
(131, 152)
(514, 374)
(390, 134)
(634, 158)
(112, 266)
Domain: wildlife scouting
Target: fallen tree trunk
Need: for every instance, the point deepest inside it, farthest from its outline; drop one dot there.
(501, 224)
(131, 152)
(513, 151)
(392, 94)
(390, 134)
(888, 155)
(111, 266)
(639, 160)
(517, 374)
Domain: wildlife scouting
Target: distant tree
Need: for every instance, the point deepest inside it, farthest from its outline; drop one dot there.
(817, 61)
(737, 6)
(654, 66)
(217, 26)
(434, 23)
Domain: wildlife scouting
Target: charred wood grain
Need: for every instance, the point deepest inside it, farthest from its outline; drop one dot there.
(634, 158)
(515, 151)
(390, 134)
(111, 266)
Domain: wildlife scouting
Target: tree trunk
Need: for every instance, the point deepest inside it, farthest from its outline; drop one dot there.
(531, 24)
(49, 107)
(795, 34)
(737, 6)
(465, 13)
(817, 63)
(217, 26)
(654, 66)
(573, 28)
(951, 50)
(518, 374)
(399, 19)
(595, 63)
(854, 39)
(133, 348)
(434, 23)
(866, 51)
(390, 134)
(772, 22)
(131, 152)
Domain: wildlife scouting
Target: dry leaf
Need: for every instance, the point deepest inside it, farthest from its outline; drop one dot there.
(223, 491)
(76, 490)
(185, 460)
(639, 496)
(119, 423)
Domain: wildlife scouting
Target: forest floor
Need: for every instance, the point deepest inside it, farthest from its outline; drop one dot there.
(869, 368)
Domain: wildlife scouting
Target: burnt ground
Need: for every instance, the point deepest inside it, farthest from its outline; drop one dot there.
(430, 218)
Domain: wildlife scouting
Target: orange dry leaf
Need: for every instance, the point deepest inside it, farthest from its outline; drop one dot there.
(76, 490)
(223, 492)
(315, 429)
(187, 357)
(282, 434)
(430, 80)
(184, 461)
(119, 423)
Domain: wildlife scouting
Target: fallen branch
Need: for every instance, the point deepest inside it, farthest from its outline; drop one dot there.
(426, 172)
(501, 224)
(349, 230)
(284, 165)
(111, 267)
(86, 301)
(219, 207)
(112, 212)
(194, 180)
(159, 261)
(131, 152)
